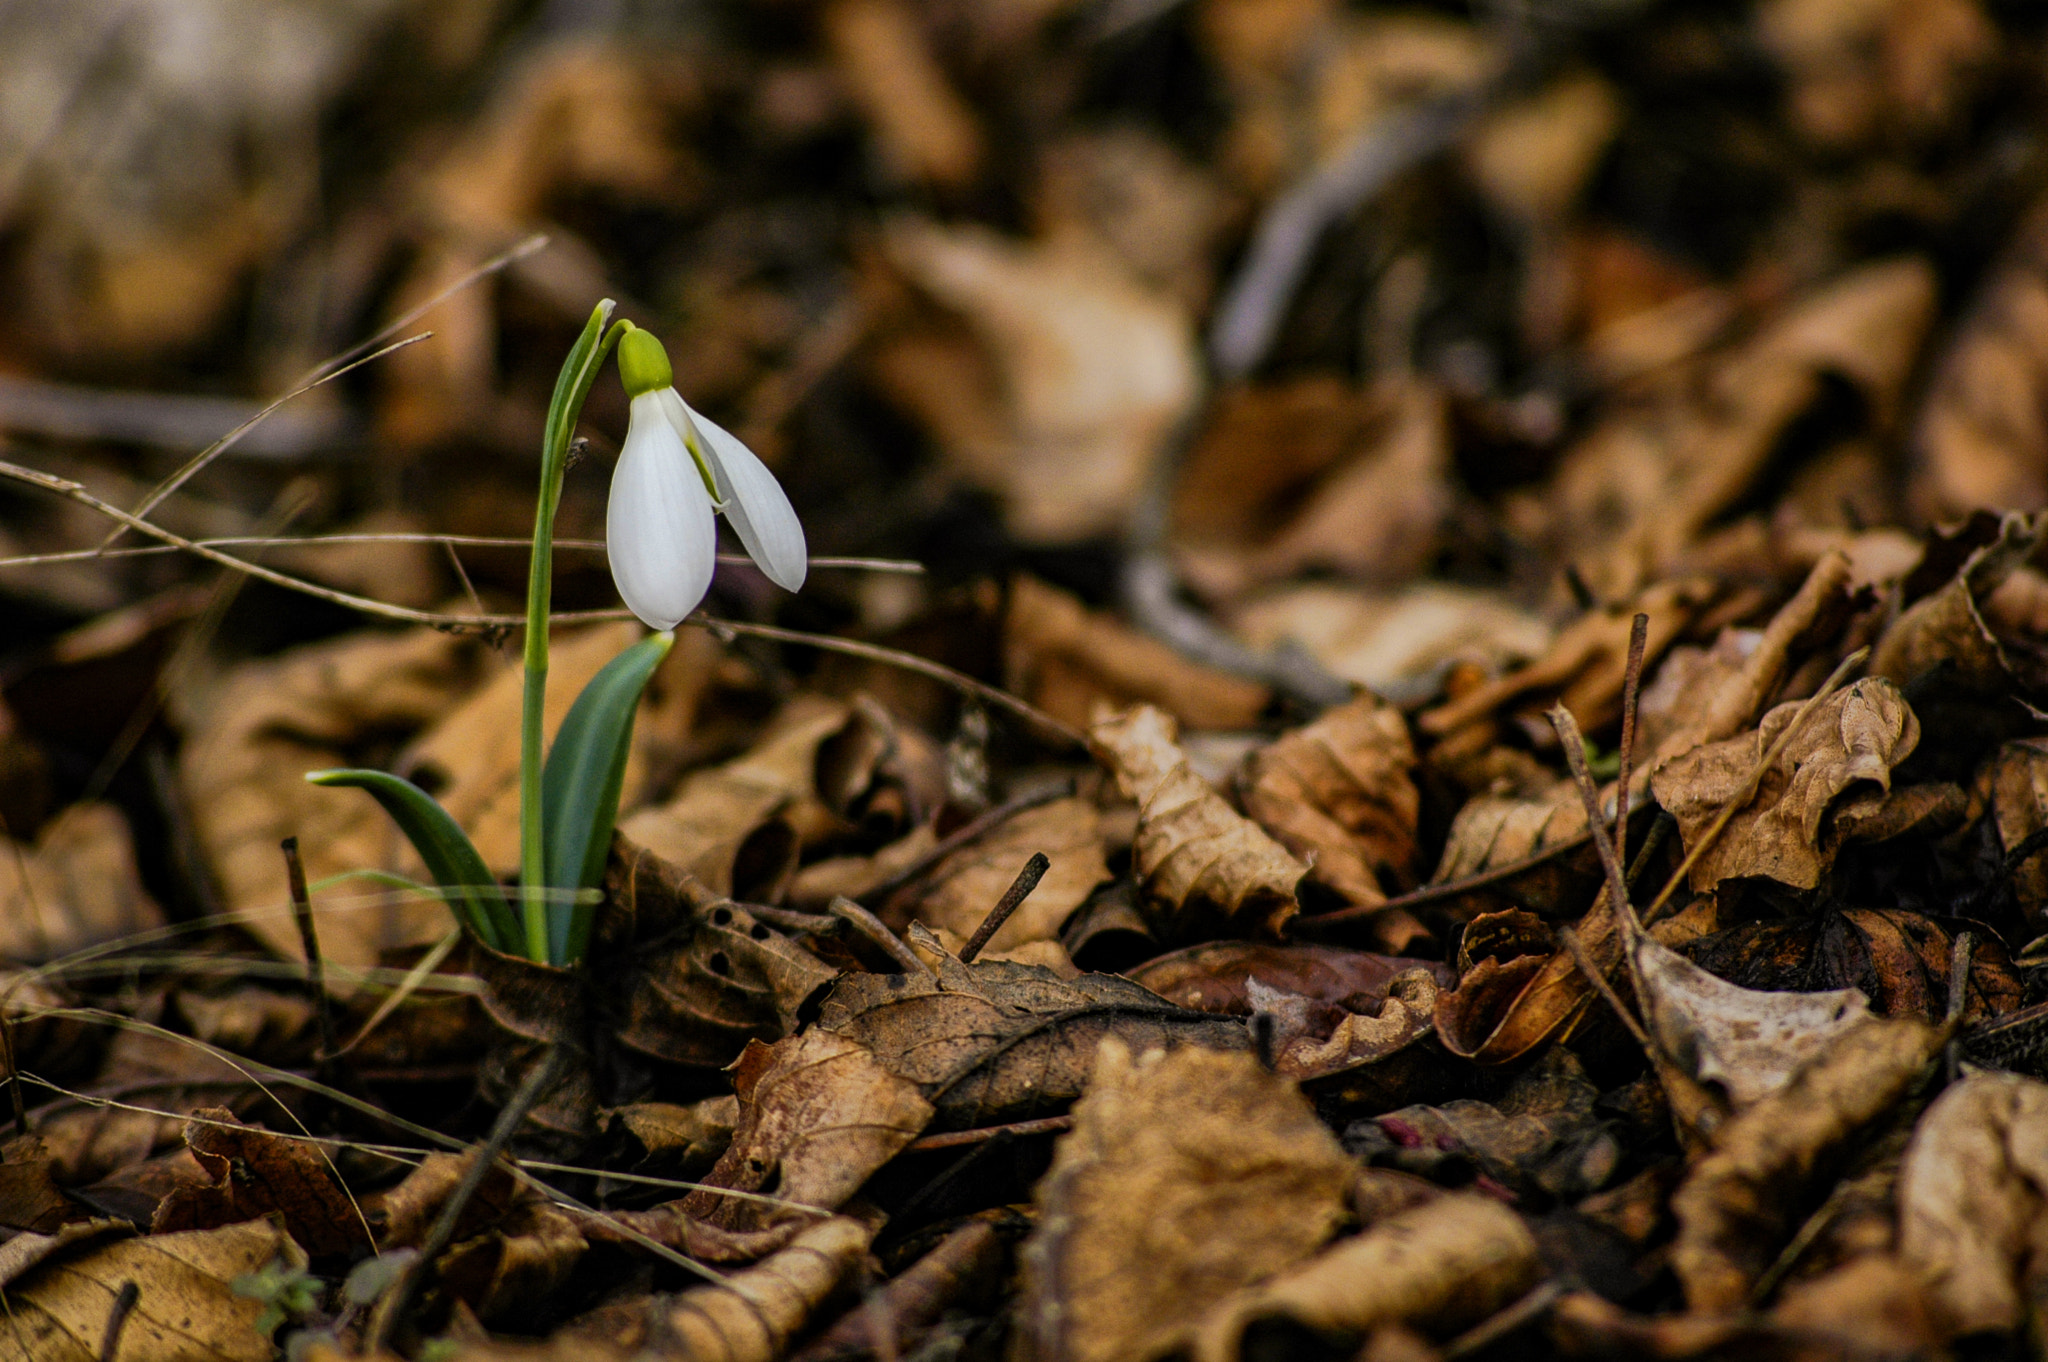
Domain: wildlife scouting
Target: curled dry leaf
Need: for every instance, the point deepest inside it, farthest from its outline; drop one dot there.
(254, 1173)
(1542, 1135)
(1214, 977)
(185, 1307)
(700, 976)
(506, 1273)
(1095, 368)
(818, 1113)
(1783, 833)
(1744, 1198)
(1186, 1177)
(1491, 832)
(678, 1141)
(992, 1041)
(963, 1270)
(317, 706)
(1201, 861)
(1338, 793)
(1072, 661)
(1746, 1042)
(77, 886)
(1973, 1201)
(2018, 780)
(738, 826)
(752, 1316)
(967, 884)
(1312, 1039)
(1438, 1268)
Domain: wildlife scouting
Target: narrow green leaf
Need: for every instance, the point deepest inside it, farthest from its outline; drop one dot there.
(580, 791)
(450, 856)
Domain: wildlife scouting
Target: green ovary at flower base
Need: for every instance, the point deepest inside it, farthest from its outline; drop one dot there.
(676, 471)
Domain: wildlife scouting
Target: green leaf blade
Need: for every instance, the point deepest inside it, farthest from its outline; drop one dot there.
(586, 770)
(451, 857)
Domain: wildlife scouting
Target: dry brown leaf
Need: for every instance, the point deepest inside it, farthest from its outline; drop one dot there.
(1186, 1177)
(926, 130)
(507, 1273)
(1982, 441)
(1747, 1042)
(1200, 860)
(818, 1114)
(1071, 661)
(1439, 1268)
(1095, 370)
(738, 826)
(1740, 1202)
(470, 758)
(680, 1141)
(967, 884)
(1655, 473)
(1213, 977)
(752, 1316)
(962, 1272)
(318, 706)
(1903, 70)
(697, 975)
(2018, 780)
(255, 1173)
(994, 1041)
(1784, 832)
(1312, 1039)
(1338, 794)
(1399, 644)
(1874, 1304)
(77, 886)
(1498, 830)
(186, 1310)
(1946, 629)
(1973, 1202)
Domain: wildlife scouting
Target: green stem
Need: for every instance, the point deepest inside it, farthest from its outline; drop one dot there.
(579, 370)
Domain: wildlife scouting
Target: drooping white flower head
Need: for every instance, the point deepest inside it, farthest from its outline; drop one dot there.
(677, 468)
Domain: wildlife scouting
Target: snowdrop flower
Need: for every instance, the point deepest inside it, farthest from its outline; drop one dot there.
(677, 469)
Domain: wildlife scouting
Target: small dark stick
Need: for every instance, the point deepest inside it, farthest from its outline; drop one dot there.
(117, 1319)
(316, 971)
(13, 1074)
(1631, 688)
(1019, 890)
(1959, 961)
(1262, 1039)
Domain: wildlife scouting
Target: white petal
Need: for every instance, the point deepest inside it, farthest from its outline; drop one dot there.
(659, 531)
(754, 502)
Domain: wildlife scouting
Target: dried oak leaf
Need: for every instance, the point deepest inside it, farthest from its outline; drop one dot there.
(1204, 863)
(1744, 1198)
(1071, 661)
(1783, 833)
(317, 706)
(965, 885)
(1437, 1268)
(59, 1298)
(991, 1042)
(819, 1113)
(1973, 1201)
(255, 1173)
(699, 976)
(1186, 1177)
(29, 1199)
(751, 1316)
(1339, 794)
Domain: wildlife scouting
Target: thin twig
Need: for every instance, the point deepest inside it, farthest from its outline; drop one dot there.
(1631, 687)
(309, 941)
(1959, 960)
(485, 624)
(199, 461)
(1019, 890)
(1519, 1315)
(396, 1301)
(1584, 960)
(1741, 797)
(13, 1074)
(876, 931)
(1045, 1125)
(980, 826)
